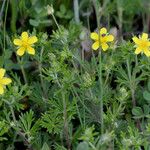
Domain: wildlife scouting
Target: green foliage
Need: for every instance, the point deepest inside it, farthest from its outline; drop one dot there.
(3, 130)
(63, 13)
(67, 96)
(26, 124)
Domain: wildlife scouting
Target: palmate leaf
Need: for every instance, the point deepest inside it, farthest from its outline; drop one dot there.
(52, 121)
(28, 125)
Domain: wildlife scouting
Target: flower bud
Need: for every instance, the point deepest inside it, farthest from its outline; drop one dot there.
(50, 9)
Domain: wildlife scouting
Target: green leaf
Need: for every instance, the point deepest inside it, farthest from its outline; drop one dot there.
(45, 146)
(83, 146)
(149, 85)
(34, 23)
(62, 9)
(137, 112)
(146, 109)
(146, 96)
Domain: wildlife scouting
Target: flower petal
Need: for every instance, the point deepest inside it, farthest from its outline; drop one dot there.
(17, 42)
(31, 50)
(95, 46)
(136, 40)
(32, 40)
(144, 36)
(104, 46)
(24, 36)
(1, 89)
(147, 52)
(138, 50)
(94, 36)
(21, 51)
(103, 31)
(2, 73)
(6, 81)
(109, 38)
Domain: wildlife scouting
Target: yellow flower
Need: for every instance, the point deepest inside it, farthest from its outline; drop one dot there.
(101, 41)
(142, 44)
(3, 80)
(25, 44)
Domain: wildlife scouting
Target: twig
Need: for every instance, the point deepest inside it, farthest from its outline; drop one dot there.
(76, 11)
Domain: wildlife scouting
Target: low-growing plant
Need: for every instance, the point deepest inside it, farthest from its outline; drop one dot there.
(74, 83)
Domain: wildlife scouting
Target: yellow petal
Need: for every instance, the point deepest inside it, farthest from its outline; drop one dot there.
(20, 51)
(104, 46)
(109, 38)
(2, 72)
(147, 52)
(138, 50)
(136, 40)
(1, 89)
(31, 50)
(103, 31)
(32, 40)
(94, 36)
(17, 42)
(144, 36)
(6, 81)
(24, 36)
(95, 46)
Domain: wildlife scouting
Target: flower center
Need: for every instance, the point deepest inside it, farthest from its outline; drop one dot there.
(144, 44)
(25, 44)
(103, 39)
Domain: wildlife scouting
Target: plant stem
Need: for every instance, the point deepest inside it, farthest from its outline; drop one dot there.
(26, 142)
(2, 9)
(66, 122)
(101, 96)
(99, 69)
(132, 88)
(76, 11)
(22, 70)
(80, 119)
(40, 70)
(4, 30)
(55, 21)
(66, 129)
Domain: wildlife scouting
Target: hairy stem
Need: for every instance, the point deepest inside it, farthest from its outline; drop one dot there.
(22, 69)
(66, 129)
(100, 69)
(132, 88)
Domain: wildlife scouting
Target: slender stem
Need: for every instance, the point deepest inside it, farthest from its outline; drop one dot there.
(101, 96)
(100, 69)
(131, 83)
(4, 31)
(66, 130)
(13, 114)
(93, 147)
(66, 122)
(136, 60)
(76, 11)
(80, 119)
(22, 69)
(26, 142)
(40, 70)
(55, 21)
(132, 88)
(2, 9)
